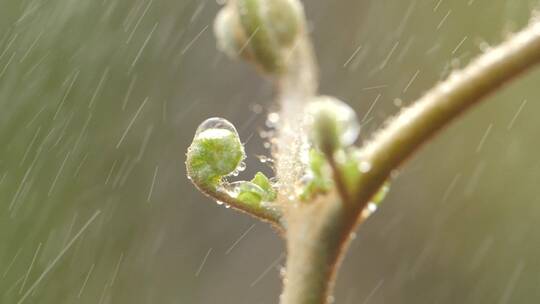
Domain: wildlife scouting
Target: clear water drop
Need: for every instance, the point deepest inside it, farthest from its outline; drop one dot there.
(272, 120)
(266, 134)
(282, 272)
(236, 188)
(265, 159)
(484, 46)
(372, 207)
(216, 150)
(364, 166)
(220, 125)
(307, 179)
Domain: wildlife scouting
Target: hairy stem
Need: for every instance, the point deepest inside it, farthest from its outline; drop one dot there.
(295, 88)
(265, 211)
(415, 125)
(316, 239)
(317, 234)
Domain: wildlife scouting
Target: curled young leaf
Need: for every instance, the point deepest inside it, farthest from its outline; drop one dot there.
(258, 190)
(317, 181)
(333, 124)
(263, 31)
(270, 194)
(216, 151)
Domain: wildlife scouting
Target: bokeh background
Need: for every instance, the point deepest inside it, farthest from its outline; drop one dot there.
(100, 99)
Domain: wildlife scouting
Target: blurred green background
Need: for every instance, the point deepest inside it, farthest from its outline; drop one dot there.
(100, 99)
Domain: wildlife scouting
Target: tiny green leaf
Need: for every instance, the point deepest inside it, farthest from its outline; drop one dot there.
(317, 180)
(262, 181)
(248, 192)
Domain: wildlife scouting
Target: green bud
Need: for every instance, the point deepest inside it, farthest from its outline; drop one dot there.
(333, 124)
(317, 180)
(248, 192)
(262, 181)
(263, 31)
(231, 37)
(216, 151)
(259, 189)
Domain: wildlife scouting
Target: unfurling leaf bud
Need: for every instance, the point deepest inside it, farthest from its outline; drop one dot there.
(317, 180)
(216, 151)
(263, 31)
(262, 181)
(333, 124)
(259, 189)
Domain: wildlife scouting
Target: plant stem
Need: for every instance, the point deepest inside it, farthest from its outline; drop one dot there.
(316, 239)
(415, 125)
(295, 88)
(264, 211)
(317, 233)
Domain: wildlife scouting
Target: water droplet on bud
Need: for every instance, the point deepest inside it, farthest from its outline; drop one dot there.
(215, 123)
(216, 151)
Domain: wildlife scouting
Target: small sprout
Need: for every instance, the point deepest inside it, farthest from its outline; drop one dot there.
(259, 189)
(263, 31)
(316, 181)
(248, 192)
(333, 124)
(216, 152)
(262, 181)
